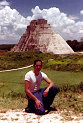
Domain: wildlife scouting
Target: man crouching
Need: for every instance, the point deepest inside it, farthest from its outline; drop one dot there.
(39, 100)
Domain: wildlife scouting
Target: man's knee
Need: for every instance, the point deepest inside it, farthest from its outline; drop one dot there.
(55, 89)
(40, 111)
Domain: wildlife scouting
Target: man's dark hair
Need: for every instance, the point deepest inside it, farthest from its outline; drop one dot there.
(37, 61)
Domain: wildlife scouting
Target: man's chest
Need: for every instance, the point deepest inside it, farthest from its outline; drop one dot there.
(36, 79)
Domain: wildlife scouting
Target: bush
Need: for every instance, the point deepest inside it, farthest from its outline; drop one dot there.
(12, 60)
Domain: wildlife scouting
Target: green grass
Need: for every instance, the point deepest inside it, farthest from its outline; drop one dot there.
(73, 63)
(12, 95)
(65, 71)
(60, 78)
(13, 81)
(12, 60)
(57, 76)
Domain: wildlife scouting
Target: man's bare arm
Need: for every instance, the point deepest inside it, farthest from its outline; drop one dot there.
(51, 84)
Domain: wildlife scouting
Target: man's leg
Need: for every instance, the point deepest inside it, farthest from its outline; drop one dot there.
(41, 110)
(31, 104)
(51, 94)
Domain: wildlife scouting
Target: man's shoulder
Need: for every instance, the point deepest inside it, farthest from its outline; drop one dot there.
(28, 75)
(43, 74)
(29, 72)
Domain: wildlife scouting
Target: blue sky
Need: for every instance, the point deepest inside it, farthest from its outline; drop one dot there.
(65, 17)
(70, 7)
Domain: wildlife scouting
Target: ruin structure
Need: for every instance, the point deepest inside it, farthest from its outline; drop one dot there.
(40, 36)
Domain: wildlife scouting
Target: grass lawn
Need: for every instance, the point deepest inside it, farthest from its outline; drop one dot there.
(14, 80)
(12, 93)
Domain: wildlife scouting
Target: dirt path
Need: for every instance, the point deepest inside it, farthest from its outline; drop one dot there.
(19, 116)
(16, 69)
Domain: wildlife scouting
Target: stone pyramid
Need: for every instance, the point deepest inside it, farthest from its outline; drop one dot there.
(40, 36)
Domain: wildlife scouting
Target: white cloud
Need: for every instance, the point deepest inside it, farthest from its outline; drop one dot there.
(62, 24)
(73, 17)
(13, 24)
(3, 4)
(81, 12)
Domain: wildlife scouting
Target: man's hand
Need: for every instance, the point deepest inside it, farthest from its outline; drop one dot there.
(38, 104)
(46, 92)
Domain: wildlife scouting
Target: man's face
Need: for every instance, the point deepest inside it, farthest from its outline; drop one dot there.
(38, 66)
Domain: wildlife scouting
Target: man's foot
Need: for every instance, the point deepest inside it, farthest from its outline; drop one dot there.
(28, 110)
(52, 109)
